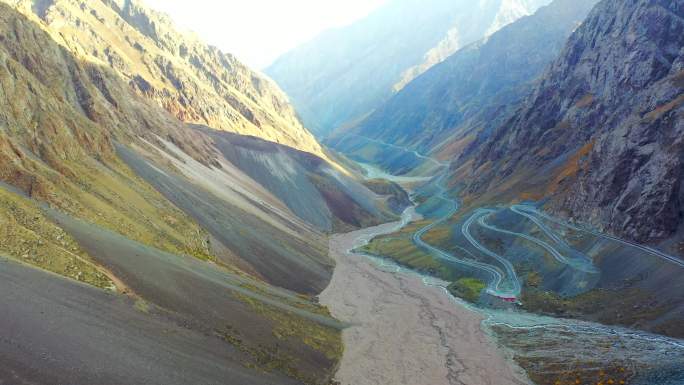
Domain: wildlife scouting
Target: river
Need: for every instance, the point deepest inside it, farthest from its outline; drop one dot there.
(405, 331)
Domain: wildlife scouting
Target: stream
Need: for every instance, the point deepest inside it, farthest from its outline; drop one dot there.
(391, 306)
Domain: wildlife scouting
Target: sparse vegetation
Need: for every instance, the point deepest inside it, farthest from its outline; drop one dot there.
(587, 373)
(469, 289)
(28, 236)
(627, 306)
(400, 248)
(320, 338)
(403, 251)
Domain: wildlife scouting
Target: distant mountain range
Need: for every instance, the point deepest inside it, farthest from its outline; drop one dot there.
(548, 110)
(471, 91)
(346, 73)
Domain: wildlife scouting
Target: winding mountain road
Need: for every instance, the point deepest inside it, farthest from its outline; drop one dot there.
(499, 280)
(497, 285)
(578, 265)
(494, 286)
(531, 212)
(404, 149)
(514, 282)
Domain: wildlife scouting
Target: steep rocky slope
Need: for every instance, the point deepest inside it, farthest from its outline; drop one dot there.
(471, 91)
(101, 184)
(63, 115)
(345, 73)
(596, 138)
(601, 134)
(56, 142)
(195, 82)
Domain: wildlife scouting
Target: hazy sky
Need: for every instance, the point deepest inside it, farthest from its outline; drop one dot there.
(258, 31)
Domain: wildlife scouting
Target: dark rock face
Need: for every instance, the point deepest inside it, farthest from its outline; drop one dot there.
(607, 118)
(468, 90)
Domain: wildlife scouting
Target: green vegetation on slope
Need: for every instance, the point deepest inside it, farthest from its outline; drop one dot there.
(287, 326)
(469, 289)
(26, 235)
(400, 248)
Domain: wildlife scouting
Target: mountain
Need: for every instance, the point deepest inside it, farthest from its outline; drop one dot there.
(345, 73)
(471, 91)
(195, 82)
(557, 177)
(164, 238)
(68, 113)
(601, 134)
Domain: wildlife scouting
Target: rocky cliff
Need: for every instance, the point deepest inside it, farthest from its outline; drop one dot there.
(602, 132)
(195, 82)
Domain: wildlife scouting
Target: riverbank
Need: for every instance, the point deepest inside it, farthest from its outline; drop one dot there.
(404, 332)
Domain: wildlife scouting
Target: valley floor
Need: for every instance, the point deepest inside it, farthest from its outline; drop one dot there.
(405, 332)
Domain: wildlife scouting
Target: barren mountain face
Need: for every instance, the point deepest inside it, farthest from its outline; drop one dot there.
(195, 82)
(609, 113)
(104, 182)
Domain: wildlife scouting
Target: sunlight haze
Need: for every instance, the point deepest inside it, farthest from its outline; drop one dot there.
(329, 192)
(258, 31)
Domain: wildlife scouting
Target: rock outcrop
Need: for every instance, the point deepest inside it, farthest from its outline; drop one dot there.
(193, 81)
(602, 134)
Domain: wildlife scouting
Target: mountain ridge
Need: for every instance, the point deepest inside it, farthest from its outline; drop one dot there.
(195, 82)
(472, 91)
(620, 158)
(345, 73)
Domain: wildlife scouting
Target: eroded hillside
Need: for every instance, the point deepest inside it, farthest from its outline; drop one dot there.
(194, 82)
(602, 132)
(103, 185)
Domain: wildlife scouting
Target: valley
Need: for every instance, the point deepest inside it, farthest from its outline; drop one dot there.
(374, 292)
(403, 331)
(437, 192)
